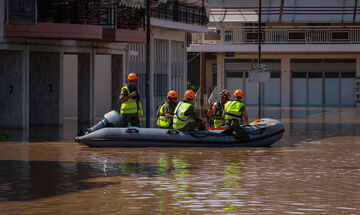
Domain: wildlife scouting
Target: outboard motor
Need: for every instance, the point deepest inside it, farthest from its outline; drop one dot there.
(111, 119)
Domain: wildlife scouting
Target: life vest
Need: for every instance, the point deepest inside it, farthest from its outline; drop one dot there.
(180, 120)
(218, 120)
(232, 110)
(131, 106)
(163, 121)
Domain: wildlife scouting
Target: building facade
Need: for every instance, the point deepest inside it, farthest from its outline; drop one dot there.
(312, 51)
(67, 60)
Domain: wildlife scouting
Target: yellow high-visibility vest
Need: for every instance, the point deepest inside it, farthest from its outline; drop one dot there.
(232, 109)
(131, 105)
(163, 121)
(180, 120)
(218, 120)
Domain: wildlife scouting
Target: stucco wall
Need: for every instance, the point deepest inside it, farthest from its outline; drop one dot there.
(70, 85)
(102, 84)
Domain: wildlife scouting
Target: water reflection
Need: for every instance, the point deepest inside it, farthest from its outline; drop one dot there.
(29, 180)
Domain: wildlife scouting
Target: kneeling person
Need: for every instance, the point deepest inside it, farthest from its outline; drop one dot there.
(217, 109)
(233, 113)
(185, 118)
(166, 111)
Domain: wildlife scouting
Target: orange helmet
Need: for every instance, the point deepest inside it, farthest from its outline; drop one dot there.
(132, 76)
(172, 94)
(238, 93)
(225, 93)
(189, 94)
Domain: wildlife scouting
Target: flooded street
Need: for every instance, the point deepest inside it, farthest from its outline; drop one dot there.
(314, 169)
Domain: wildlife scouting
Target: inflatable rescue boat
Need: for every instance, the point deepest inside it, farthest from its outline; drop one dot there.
(262, 133)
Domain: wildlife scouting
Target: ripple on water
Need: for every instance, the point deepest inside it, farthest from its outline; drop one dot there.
(346, 208)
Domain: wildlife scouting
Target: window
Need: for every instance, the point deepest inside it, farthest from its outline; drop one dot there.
(214, 83)
(331, 75)
(228, 35)
(340, 35)
(348, 75)
(315, 74)
(253, 36)
(299, 75)
(296, 35)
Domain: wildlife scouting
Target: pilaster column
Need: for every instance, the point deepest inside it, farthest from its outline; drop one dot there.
(285, 82)
(220, 61)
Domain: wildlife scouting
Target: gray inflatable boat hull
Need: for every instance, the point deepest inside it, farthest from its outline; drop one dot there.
(262, 133)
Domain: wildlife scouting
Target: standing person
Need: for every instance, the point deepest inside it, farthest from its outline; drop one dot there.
(165, 112)
(233, 113)
(131, 106)
(185, 118)
(217, 109)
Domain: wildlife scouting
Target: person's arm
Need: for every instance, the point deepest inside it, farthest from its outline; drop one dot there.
(167, 112)
(211, 110)
(191, 112)
(124, 96)
(246, 118)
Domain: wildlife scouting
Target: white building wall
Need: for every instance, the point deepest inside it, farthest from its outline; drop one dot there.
(168, 65)
(70, 85)
(102, 84)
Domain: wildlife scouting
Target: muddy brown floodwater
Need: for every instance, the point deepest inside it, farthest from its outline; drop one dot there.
(314, 169)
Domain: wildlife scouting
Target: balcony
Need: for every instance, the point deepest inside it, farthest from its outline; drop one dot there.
(180, 12)
(344, 35)
(75, 19)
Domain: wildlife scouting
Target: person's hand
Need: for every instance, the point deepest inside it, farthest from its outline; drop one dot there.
(246, 124)
(211, 105)
(133, 94)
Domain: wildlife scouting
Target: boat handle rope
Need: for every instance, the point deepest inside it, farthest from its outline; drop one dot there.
(172, 131)
(132, 130)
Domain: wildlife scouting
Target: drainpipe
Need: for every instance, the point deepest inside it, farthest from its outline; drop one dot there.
(148, 51)
(202, 68)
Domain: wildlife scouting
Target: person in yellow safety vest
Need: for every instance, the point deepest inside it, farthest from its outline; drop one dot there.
(217, 109)
(131, 106)
(185, 118)
(233, 113)
(165, 111)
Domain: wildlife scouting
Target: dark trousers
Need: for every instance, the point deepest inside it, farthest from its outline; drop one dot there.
(132, 119)
(194, 125)
(239, 132)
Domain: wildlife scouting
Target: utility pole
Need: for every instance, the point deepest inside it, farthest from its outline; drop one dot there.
(202, 68)
(259, 57)
(148, 52)
(202, 60)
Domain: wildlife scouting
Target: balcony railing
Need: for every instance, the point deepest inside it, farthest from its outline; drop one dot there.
(109, 14)
(180, 12)
(105, 13)
(282, 36)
